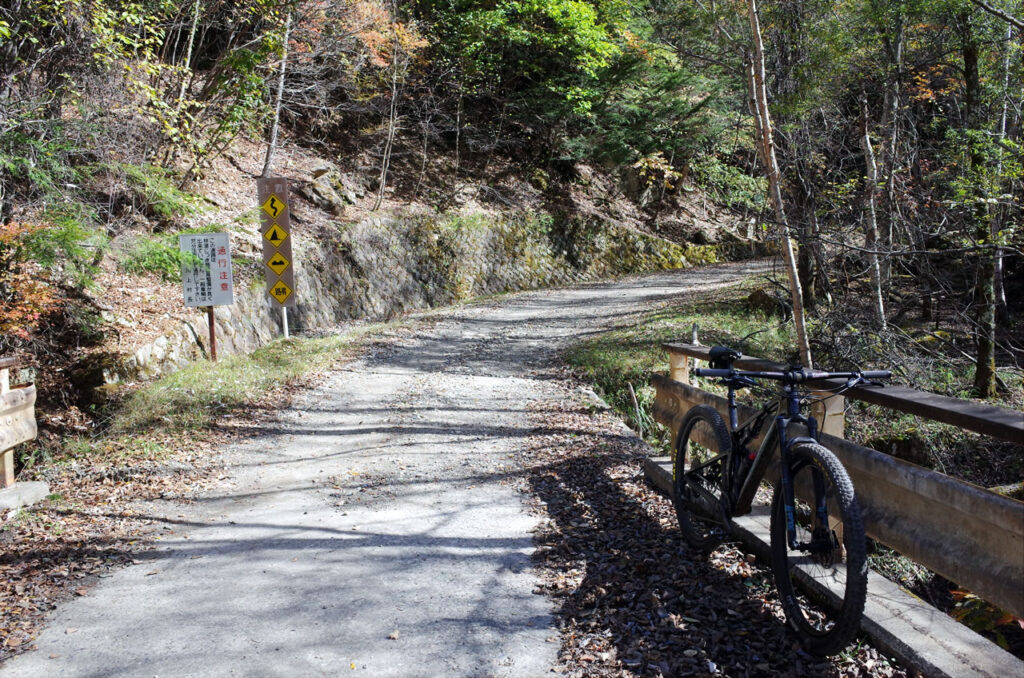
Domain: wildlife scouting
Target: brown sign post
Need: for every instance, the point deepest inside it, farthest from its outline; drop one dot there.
(278, 263)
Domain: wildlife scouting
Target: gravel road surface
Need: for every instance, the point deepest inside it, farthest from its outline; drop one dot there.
(370, 529)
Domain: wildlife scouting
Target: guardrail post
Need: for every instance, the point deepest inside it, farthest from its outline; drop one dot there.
(679, 368)
(17, 425)
(830, 413)
(6, 456)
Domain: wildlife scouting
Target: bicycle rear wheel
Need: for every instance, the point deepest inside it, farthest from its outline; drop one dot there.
(832, 569)
(698, 477)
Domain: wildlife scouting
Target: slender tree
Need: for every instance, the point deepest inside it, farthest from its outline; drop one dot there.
(764, 124)
(268, 161)
(871, 218)
(389, 142)
(977, 214)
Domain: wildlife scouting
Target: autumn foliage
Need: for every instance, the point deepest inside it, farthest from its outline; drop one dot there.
(26, 295)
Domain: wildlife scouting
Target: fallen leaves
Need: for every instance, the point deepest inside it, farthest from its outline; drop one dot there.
(630, 599)
(58, 548)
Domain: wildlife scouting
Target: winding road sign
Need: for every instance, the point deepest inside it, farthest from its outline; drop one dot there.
(277, 241)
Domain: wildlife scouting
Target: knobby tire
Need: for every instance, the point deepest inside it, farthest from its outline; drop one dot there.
(824, 626)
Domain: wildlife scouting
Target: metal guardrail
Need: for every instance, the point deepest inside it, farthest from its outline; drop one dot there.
(965, 533)
(17, 419)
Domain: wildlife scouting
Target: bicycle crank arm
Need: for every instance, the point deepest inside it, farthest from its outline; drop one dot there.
(706, 503)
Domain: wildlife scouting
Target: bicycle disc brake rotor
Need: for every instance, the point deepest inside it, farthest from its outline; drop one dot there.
(824, 547)
(703, 491)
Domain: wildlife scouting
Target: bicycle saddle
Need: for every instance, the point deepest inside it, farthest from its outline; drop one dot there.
(722, 357)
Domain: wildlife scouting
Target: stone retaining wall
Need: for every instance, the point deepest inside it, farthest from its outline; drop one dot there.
(386, 266)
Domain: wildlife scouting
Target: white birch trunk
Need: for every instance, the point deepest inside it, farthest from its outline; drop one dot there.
(392, 117)
(775, 190)
(871, 223)
(268, 161)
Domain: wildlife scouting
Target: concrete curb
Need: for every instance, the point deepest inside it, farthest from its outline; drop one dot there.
(23, 494)
(899, 623)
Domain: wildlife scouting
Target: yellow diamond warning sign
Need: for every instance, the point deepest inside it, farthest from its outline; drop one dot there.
(281, 292)
(276, 230)
(276, 235)
(278, 263)
(273, 206)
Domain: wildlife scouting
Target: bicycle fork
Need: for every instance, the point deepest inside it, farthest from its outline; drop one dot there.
(782, 422)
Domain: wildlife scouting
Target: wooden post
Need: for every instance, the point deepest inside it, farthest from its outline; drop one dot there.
(679, 367)
(213, 334)
(829, 413)
(6, 456)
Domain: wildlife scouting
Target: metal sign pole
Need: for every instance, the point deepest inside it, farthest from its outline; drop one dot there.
(284, 320)
(213, 334)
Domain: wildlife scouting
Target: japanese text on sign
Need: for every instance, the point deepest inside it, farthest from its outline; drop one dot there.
(206, 274)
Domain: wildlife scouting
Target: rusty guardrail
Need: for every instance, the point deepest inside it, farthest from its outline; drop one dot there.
(17, 419)
(966, 533)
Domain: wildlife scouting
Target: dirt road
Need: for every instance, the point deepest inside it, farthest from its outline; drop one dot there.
(371, 529)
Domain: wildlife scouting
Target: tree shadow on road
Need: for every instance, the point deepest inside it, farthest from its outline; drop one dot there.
(631, 599)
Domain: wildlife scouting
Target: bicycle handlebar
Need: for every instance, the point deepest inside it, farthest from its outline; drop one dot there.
(792, 376)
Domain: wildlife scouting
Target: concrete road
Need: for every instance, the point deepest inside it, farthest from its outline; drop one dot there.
(371, 529)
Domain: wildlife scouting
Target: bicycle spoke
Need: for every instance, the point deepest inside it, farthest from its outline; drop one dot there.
(823, 583)
(701, 453)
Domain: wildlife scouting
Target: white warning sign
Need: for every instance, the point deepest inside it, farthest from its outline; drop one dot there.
(206, 274)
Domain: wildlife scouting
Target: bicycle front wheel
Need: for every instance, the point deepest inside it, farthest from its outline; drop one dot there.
(830, 567)
(698, 477)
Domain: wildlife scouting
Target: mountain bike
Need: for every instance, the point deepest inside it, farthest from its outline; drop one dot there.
(817, 533)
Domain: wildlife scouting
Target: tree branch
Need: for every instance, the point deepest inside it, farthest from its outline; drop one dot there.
(1012, 20)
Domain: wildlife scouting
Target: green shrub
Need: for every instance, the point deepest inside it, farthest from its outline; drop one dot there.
(153, 190)
(728, 184)
(156, 255)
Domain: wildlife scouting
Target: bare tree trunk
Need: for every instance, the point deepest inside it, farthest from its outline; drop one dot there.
(755, 112)
(458, 138)
(871, 223)
(272, 145)
(187, 62)
(171, 151)
(888, 155)
(427, 118)
(775, 190)
(1002, 310)
(984, 291)
(392, 116)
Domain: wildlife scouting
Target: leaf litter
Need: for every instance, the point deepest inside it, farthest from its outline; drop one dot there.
(630, 599)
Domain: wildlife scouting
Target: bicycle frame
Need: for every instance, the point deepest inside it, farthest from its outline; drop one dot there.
(787, 410)
(816, 528)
